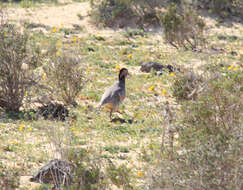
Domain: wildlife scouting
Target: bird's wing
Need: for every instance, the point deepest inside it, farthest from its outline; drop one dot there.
(110, 94)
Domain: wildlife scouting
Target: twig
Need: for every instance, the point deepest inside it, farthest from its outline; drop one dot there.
(168, 115)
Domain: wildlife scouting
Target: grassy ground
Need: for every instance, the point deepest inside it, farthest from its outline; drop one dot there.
(133, 137)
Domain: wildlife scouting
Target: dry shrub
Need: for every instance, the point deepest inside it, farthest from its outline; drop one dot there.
(91, 170)
(65, 76)
(17, 64)
(210, 139)
(186, 84)
(120, 13)
(183, 27)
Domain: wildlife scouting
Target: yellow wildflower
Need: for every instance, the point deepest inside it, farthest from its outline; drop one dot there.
(118, 67)
(21, 127)
(54, 29)
(26, 93)
(44, 76)
(58, 52)
(73, 128)
(30, 129)
(59, 44)
(163, 92)
(155, 160)
(230, 67)
(74, 39)
(172, 74)
(88, 69)
(140, 174)
(15, 143)
(129, 56)
(151, 88)
(236, 68)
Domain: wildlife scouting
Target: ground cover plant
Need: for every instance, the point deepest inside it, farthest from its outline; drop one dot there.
(198, 108)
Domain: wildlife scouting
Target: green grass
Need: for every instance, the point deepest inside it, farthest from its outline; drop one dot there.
(135, 138)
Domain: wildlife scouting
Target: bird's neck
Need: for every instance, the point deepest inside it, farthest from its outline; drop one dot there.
(122, 80)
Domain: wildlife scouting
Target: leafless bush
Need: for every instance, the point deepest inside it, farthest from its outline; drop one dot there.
(66, 77)
(17, 63)
(186, 85)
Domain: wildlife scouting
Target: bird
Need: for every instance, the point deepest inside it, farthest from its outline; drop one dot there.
(115, 94)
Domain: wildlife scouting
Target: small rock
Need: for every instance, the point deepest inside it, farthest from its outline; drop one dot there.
(148, 65)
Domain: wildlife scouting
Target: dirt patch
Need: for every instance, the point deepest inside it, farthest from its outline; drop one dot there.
(62, 16)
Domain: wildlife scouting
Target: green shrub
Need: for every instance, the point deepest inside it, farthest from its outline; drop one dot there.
(88, 174)
(125, 12)
(66, 77)
(17, 64)
(108, 11)
(210, 139)
(183, 27)
(120, 176)
(223, 8)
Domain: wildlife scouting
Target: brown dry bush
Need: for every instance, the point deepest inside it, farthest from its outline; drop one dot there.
(18, 59)
(65, 76)
(186, 84)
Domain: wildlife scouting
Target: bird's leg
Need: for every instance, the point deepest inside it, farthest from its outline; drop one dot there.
(110, 114)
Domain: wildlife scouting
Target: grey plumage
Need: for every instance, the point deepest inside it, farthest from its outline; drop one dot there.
(115, 94)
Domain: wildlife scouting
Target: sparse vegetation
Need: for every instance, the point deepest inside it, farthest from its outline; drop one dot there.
(66, 74)
(17, 64)
(9, 177)
(196, 106)
(126, 12)
(186, 85)
(223, 8)
(183, 27)
(209, 137)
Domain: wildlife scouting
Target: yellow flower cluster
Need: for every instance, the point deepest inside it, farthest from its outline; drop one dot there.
(74, 39)
(54, 29)
(44, 76)
(163, 92)
(172, 74)
(151, 88)
(140, 174)
(21, 127)
(118, 67)
(129, 56)
(233, 67)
